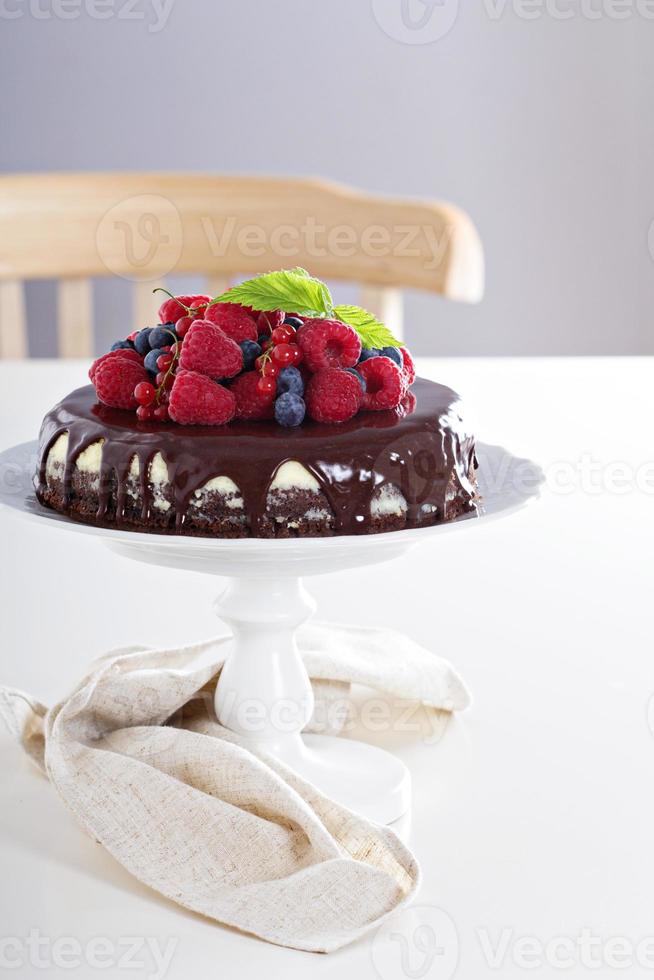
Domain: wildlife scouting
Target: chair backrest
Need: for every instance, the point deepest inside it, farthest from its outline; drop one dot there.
(145, 226)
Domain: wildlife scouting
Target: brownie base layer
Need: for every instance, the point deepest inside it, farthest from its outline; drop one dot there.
(285, 520)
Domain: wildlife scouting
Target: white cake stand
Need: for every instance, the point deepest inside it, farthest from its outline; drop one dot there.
(264, 692)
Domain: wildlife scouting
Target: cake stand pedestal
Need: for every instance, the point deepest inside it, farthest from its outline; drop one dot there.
(264, 693)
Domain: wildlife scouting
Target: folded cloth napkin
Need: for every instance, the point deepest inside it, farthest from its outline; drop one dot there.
(220, 828)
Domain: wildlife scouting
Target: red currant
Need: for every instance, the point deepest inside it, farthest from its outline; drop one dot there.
(267, 386)
(282, 335)
(164, 361)
(197, 312)
(266, 367)
(161, 413)
(164, 379)
(298, 354)
(144, 393)
(133, 335)
(182, 325)
(282, 355)
(144, 412)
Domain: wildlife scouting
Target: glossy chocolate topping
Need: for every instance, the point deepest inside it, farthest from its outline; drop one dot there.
(420, 447)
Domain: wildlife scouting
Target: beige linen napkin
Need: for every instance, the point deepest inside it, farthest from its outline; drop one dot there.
(138, 756)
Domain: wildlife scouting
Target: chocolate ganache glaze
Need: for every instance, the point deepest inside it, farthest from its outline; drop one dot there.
(422, 448)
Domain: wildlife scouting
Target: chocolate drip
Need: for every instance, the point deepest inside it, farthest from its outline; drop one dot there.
(420, 447)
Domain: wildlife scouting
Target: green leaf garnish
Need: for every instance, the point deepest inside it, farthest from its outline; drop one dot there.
(297, 291)
(372, 332)
(287, 289)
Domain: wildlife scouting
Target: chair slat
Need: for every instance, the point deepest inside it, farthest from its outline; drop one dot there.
(386, 303)
(13, 322)
(146, 303)
(149, 225)
(75, 317)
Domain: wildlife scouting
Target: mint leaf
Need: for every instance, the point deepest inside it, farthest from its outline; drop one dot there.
(371, 331)
(287, 289)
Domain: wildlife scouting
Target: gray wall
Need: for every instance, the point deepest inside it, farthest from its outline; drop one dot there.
(540, 126)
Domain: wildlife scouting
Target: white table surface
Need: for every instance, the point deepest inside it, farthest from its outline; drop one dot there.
(532, 815)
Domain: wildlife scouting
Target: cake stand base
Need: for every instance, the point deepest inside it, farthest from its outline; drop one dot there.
(363, 778)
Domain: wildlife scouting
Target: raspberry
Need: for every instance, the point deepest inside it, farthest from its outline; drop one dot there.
(127, 355)
(207, 350)
(251, 403)
(385, 384)
(408, 367)
(173, 309)
(115, 380)
(328, 344)
(233, 321)
(197, 400)
(333, 395)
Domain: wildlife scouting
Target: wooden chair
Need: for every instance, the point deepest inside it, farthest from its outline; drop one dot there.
(145, 226)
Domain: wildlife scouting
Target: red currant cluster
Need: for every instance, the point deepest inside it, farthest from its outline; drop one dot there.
(153, 398)
(279, 351)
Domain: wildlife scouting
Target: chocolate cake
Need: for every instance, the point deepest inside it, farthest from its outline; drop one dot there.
(410, 466)
(233, 417)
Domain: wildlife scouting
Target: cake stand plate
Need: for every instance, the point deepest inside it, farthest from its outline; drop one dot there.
(264, 693)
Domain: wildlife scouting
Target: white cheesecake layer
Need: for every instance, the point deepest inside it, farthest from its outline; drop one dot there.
(293, 476)
(57, 456)
(388, 500)
(222, 485)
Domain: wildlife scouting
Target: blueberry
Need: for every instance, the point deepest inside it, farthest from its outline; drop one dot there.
(123, 345)
(162, 336)
(360, 378)
(150, 362)
(290, 379)
(289, 409)
(293, 321)
(250, 353)
(368, 352)
(142, 341)
(393, 353)
(262, 338)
